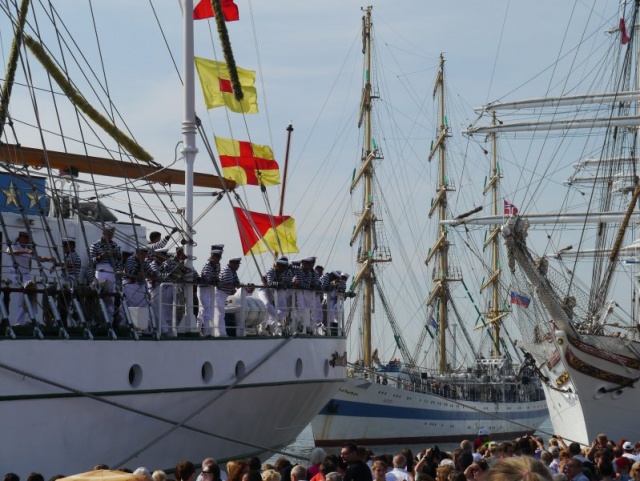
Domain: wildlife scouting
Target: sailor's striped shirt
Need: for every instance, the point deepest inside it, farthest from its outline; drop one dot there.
(210, 274)
(107, 253)
(228, 280)
(72, 266)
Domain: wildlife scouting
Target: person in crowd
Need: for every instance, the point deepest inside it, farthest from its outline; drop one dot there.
(443, 471)
(408, 455)
(483, 437)
(206, 292)
(606, 471)
(142, 471)
(284, 466)
(327, 466)
(523, 468)
(315, 460)
(270, 475)
(357, 469)
(473, 472)
(298, 473)
(228, 283)
(622, 467)
(333, 476)
(429, 462)
(185, 471)
(554, 451)
(379, 470)
(236, 469)
(574, 470)
(35, 477)
(399, 470)
(629, 451)
(106, 257)
(634, 473)
(159, 475)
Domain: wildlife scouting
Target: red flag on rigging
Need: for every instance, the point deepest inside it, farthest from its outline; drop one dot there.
(204, 9)
(624, 38)
(257, 229)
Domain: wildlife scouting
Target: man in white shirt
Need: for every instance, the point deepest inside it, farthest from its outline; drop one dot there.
(399, 470)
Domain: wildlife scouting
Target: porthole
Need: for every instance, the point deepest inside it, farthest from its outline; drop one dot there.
(240, 370)
(135, 375)
(298, 367)
(617, 394)
(599, 392)
(206, 372)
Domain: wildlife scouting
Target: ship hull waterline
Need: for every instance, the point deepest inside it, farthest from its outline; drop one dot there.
(372, 413)
(77, 403)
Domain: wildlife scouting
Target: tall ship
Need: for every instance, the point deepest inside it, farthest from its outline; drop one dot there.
(89, 373)
(405, 400)
(573, 247)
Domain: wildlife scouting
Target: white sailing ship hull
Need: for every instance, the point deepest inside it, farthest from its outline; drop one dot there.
(587, 397)
(371, 413)
(71, 404)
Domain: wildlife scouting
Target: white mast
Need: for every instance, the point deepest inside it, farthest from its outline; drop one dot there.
(189, 149)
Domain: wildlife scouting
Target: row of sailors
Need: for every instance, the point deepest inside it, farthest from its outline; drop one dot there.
(149, 267)
(215, 285)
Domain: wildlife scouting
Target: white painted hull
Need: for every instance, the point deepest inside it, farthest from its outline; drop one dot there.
(371, 413)
(55, 428)
(584, 412)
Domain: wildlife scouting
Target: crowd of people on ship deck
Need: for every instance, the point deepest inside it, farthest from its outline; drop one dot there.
(527, 458)
(151, 277)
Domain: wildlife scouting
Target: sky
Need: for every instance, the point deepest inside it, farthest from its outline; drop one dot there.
(309, 72)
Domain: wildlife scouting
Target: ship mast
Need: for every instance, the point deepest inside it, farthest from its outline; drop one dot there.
(442, 272)
(189, 150)
(365, 225)
(494, 314)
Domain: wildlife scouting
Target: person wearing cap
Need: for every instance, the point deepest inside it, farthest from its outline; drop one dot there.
(483, 438)
(228, 283)
(106, 256)
(22, 255)
(317, 287)
(279, 280)
(172, 274)
(629, 451)
(134, 281)
(206, 291)
(153, 262)
(302, 283)
(328, 286)
(71, 269)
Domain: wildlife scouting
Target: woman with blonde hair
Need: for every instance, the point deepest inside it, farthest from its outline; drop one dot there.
(634, 473)
(443, 471)
(522, 468)
(270, 475)
(379, 469)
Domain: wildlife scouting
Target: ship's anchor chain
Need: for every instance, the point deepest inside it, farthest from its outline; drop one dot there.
(530, 362)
